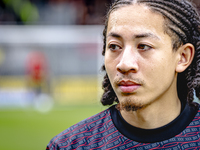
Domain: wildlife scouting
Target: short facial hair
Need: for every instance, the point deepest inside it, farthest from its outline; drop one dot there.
(129, 105)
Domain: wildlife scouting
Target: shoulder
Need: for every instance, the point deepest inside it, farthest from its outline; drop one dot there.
(197, 117)
(82, 130)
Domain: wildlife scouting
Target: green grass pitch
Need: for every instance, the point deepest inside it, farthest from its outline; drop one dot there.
(27, 129)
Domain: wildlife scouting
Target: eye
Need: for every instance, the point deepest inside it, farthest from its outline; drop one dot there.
(114, 47)
(144, 47)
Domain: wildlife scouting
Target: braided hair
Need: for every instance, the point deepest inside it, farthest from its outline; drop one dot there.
(182, 24)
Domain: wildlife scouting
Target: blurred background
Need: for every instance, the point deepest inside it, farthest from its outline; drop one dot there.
(50, 67)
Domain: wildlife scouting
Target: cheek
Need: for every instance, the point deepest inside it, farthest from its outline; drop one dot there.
(106, 62)
(160, 70)
(109, 65)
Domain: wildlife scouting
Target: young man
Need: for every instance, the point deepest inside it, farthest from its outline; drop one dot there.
(152, 61)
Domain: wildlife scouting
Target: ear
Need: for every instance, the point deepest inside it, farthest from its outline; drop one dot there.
(186, 55)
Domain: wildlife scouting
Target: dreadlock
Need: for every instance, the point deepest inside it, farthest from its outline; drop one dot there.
(182, 24)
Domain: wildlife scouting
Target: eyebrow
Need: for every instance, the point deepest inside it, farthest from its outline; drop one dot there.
(137, 36)
(146, 35)
(112, 34)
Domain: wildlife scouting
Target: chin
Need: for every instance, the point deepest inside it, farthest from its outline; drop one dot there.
(130, 105)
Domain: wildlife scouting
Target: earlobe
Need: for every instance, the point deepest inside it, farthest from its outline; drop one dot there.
(186, 55)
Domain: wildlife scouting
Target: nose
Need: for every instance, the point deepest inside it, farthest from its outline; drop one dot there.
(128, 61)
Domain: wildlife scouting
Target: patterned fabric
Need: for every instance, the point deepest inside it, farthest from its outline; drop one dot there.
(99, 132)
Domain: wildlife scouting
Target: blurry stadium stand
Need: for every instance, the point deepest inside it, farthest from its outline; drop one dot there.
(73, 57)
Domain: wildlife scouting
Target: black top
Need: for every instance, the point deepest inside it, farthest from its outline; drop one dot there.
(154, 135)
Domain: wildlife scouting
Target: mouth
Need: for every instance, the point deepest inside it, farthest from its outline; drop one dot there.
(128, 86)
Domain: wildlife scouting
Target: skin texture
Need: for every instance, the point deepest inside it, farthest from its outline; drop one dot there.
(142, 67)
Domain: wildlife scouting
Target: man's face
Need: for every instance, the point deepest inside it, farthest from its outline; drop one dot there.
(139, 59)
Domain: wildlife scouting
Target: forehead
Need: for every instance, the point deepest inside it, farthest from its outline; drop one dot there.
(136, 18)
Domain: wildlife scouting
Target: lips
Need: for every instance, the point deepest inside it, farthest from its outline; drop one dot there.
(128, 86)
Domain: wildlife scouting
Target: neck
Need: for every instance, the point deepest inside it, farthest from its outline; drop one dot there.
(155, 115)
